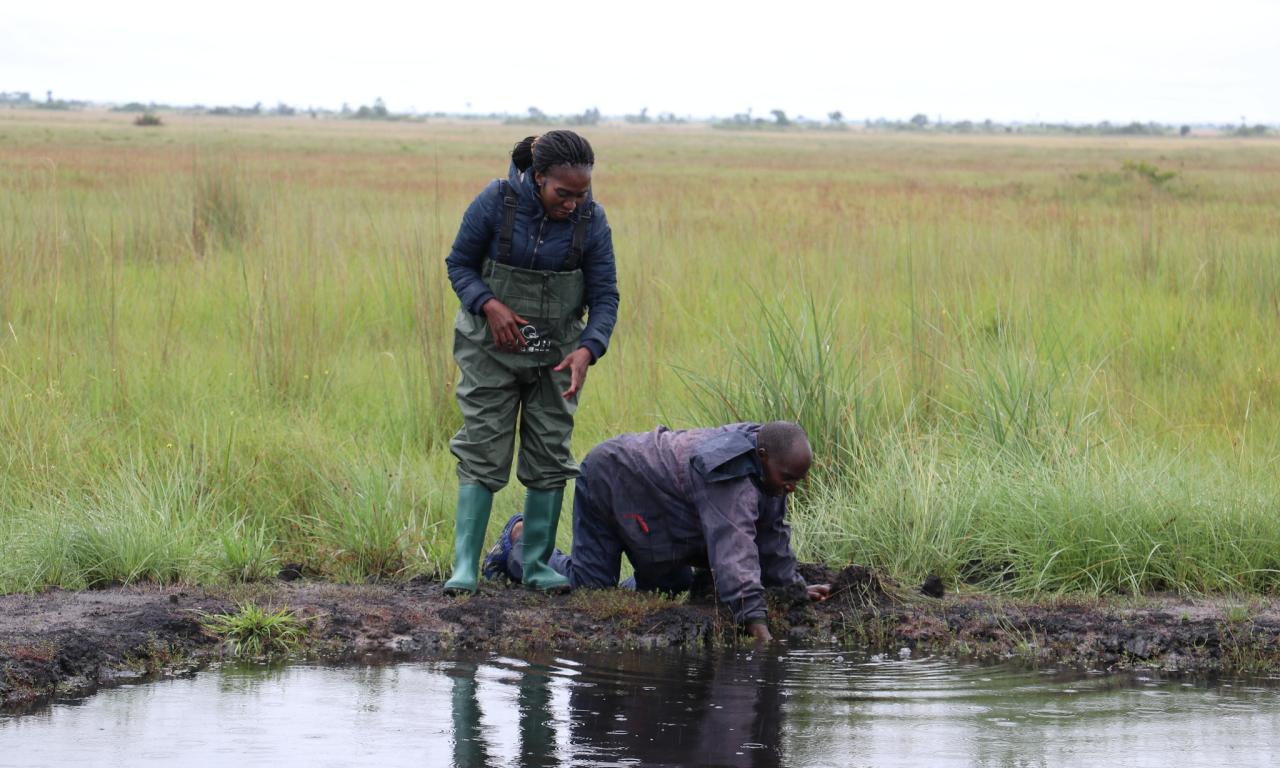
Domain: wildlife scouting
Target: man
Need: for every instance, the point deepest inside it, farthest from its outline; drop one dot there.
(674, 500)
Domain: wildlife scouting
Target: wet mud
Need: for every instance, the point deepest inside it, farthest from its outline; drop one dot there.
(61, 644)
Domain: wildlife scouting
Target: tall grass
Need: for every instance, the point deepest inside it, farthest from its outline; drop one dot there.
(1012, 484)
(1025, 364)
(1088, 524)
(791, 369)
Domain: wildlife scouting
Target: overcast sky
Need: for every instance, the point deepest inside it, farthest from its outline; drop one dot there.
(1081, 61)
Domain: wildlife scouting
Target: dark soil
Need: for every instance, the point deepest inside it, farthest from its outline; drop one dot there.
(70, 643)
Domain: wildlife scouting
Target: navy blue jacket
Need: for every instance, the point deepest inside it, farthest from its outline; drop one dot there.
(537, 242)
(694, 497)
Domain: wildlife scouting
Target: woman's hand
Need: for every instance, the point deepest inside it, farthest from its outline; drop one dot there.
(505, 325)
(818, 592)
(577, 362)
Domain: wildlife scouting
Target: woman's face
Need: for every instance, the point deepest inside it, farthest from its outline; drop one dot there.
(562, 188)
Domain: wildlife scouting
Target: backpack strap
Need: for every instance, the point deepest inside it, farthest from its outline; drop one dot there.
(581, 228)
(508, 223)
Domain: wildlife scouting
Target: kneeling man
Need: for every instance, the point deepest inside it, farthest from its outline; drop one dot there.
(675, 500)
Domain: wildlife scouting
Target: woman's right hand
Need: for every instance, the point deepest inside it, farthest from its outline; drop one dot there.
(505, 325)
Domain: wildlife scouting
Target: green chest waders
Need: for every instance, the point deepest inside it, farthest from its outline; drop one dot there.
(500, 392)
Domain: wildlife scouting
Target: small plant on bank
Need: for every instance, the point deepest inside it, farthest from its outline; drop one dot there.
(1238, 613)
(148, 120)
(253, 631)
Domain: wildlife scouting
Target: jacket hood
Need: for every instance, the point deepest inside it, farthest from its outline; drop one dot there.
(522, 183)
(728, 454)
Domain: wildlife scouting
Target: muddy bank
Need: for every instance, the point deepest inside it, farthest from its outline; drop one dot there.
(70, 643)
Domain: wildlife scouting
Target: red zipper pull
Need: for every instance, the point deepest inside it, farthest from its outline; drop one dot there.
(639, 520)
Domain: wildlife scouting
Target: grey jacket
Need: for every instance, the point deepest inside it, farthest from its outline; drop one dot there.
(694, 497)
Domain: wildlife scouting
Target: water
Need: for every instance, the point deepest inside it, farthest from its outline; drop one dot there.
(814, 708)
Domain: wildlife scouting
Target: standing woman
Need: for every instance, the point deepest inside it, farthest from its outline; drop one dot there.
(534, 253)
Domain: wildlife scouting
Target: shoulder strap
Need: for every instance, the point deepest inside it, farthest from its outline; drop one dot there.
(581, 228)
(508, 223)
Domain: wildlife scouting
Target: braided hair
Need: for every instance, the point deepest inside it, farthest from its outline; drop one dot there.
(551, 149)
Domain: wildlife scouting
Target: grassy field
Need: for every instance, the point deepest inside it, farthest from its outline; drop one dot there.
(1031, 364)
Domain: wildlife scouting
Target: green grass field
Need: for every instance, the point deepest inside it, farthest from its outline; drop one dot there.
(1030, 364)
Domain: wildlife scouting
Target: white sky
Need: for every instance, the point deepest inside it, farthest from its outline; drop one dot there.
(1077, 60)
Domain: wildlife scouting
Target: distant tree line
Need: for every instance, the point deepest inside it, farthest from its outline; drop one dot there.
(13, 99)
(642, 117)
(776, 119)
(536, 116)
(920, 123)
(779, 120)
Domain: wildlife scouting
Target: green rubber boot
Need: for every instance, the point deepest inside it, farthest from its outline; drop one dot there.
(474, 503)
(541, 516)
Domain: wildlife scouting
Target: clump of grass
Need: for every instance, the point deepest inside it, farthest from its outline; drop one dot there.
(246, 553)
(1024, 397)
(253, 631)
(128, 550)
(375, 523)
(792, 369)
(142, 523)
(148, 120)
(221, 210)
(1149, 172)
(33, 557)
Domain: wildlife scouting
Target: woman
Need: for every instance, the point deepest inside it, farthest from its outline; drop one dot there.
(533, 253)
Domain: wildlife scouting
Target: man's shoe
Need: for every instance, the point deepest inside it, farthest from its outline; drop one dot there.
(499, 563)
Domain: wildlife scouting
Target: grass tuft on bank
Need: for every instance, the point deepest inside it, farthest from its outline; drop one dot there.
(253, 632)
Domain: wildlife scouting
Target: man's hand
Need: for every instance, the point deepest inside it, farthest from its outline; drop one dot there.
(505, 325)
(760, 632)
(818, 592)
(577, 362)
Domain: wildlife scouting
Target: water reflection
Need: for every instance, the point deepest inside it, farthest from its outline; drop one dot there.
(537, 734)
(468, 741)
(811, 708)
(719, 712)
(708, 712)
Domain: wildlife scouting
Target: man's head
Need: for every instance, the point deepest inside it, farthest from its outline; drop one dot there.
(785, 456)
